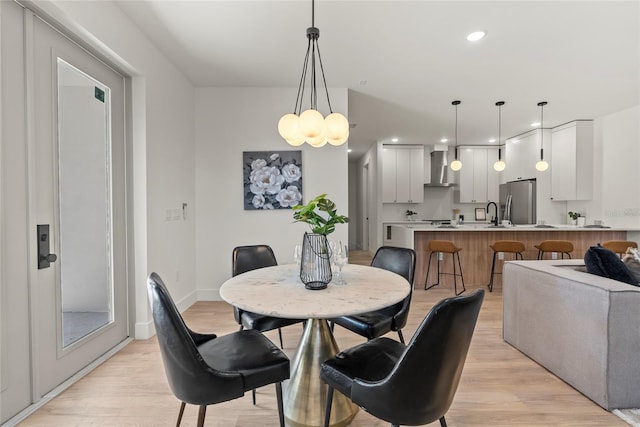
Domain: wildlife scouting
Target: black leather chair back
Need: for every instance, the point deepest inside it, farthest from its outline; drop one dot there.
(247, 258)
(190, 378)
(422, 385)
(401, 261)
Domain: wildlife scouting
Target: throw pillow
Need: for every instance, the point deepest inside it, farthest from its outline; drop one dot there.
(605, 263)
(632, 261)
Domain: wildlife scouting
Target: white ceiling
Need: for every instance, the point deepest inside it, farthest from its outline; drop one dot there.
(580, 56)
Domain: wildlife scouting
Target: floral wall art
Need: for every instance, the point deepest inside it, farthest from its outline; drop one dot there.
(272, 179)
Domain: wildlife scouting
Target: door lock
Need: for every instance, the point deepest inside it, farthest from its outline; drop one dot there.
(44, 257)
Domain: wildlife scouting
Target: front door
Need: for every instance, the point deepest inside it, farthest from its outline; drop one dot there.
(77, 214)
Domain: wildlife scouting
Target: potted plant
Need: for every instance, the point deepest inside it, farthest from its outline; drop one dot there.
(322, 216)
(410, 214)
(574, 216)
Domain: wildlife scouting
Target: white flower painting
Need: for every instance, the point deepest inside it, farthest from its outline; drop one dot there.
(272, 179)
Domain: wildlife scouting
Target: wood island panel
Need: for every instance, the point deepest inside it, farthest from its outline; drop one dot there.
(476, 255)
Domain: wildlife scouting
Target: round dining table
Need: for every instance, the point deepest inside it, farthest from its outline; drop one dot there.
(278, 291)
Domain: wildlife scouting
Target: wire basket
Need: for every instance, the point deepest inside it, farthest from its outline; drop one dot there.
(315, 266)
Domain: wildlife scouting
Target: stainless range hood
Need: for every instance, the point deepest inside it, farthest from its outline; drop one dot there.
(439, 170)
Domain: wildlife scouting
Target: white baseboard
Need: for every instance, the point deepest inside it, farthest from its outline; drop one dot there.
(209, 295)
(144, 330)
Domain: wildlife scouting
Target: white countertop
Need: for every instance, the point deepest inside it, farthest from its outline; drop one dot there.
(420, 226)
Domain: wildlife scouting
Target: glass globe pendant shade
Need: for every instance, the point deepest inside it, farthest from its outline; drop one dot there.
(296, 141)
(288, 127)
(499, 166)
(318, 141)
(541, 166)
(456, 165)
(311, 124)
(336, 128)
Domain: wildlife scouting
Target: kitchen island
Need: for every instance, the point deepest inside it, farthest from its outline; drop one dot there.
(474, 239)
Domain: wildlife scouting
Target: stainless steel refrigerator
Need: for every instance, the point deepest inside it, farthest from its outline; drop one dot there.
(518, 201)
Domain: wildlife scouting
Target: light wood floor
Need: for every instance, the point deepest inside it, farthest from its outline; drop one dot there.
(499, 386)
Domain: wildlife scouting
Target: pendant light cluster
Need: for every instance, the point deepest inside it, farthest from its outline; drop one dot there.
(456, 165)
(309, 125)
(499, 165)
(542, 165)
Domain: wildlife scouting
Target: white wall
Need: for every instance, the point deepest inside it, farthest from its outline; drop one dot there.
(616, 199)
(162, 147)
(229, 121)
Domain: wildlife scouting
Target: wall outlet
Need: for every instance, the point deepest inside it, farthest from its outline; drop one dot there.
(440, 256)
(167, 214)
(500, 255)
(554, 255)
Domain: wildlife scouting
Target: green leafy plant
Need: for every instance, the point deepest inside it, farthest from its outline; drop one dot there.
(321, 215)
(574, 215)
(409, 212)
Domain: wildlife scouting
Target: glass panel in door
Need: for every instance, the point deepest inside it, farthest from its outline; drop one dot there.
(84, 201)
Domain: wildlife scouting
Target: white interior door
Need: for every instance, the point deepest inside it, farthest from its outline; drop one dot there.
(77, 189)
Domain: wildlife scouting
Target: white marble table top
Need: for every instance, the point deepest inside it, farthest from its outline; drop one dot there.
(277, 291)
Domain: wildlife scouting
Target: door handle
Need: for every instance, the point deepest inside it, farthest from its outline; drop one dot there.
(44, 257)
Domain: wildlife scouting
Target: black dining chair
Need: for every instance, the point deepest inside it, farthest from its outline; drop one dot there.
(413, 384)
(374, 324)
(247, 258)
(204, 369)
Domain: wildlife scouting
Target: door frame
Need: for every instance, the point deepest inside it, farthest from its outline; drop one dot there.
(32, 12)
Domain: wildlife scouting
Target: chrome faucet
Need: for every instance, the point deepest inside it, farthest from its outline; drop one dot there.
(494, 219)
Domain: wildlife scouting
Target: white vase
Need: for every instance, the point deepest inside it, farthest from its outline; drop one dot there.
(582, 221)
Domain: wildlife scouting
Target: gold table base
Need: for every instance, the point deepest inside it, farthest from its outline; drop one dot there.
(305, 396)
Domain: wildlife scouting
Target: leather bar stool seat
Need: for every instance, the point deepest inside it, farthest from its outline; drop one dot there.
(515, 247)
(559, 246)
(445, 247)
(619, 246)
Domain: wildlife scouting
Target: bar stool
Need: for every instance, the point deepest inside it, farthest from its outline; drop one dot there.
(505, 246)
(446, 247)
(560, 246)
(619, 246)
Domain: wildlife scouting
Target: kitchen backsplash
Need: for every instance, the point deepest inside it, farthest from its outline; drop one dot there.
(438, 204)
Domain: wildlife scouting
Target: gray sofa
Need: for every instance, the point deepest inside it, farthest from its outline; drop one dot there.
(583, 328)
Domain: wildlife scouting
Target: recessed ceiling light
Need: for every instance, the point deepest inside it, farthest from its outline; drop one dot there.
(444, 140)
(476, 35)
(349, 150)
(394, 139)
(536, 124)
(492, 140)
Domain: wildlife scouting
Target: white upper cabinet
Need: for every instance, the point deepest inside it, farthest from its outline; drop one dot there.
(478, 180)
(520, 155)
(572, 161)
(403, 174)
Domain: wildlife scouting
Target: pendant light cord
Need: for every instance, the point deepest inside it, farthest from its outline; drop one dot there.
(542, 104)
(312, 46)
(500, 104)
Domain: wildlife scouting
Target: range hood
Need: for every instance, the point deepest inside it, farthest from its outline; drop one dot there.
(439, 170)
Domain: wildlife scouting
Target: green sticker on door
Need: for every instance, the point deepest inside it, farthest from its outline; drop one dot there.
(99, 94)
